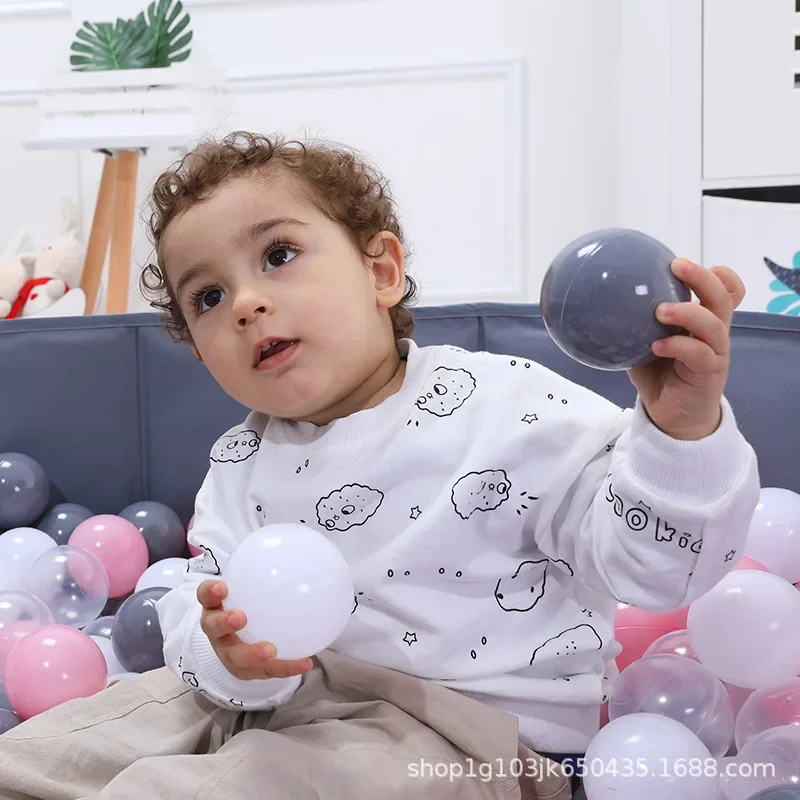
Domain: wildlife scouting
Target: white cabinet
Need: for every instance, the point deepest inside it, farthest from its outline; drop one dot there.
(751, 89)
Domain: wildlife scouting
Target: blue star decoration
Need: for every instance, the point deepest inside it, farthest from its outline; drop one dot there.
(410, 638)
(415, 512)
(530, 418)
(729, 555)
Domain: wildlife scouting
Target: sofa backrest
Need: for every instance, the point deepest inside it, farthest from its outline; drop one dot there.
(116, 412)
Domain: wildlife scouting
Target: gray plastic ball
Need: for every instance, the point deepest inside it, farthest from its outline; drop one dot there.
(8, 720)
(136, 635)
(161, 527)
(777, 793)
(599, 298)
(61, 520)
(24, 490)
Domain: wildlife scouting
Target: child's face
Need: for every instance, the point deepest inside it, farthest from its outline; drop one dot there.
(256, 263)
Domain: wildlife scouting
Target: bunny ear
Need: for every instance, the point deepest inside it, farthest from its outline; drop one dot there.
(28, 261)
(70, 216)
(23, 241)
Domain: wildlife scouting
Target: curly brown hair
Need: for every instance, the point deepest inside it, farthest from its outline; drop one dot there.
(338, 180)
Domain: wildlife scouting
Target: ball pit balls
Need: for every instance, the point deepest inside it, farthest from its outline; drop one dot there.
(599, 298)
(24, 490)
(294, 587)
(50, 666)
(745, 629)
(120, 547)
(160, 527)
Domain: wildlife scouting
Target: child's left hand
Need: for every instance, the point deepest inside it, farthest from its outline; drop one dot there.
(682, 391)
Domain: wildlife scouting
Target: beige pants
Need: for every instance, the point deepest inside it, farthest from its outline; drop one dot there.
(352, 730)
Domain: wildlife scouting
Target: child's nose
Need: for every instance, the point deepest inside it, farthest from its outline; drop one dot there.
(249, 305)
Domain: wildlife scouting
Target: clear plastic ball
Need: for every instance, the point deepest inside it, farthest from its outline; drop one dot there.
(771, 707)
(681, 689)
(676, 643)
(770, 759)
(20, 614)
(679, 643)
(72, 582)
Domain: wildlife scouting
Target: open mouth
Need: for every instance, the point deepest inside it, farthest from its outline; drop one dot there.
(272, 349)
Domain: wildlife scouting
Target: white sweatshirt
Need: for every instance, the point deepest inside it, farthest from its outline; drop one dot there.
(492, 513)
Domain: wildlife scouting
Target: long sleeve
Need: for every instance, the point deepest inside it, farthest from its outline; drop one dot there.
(219, 526)
(654, 521)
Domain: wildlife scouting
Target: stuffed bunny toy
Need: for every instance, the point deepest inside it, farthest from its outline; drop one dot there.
(15, 269)
(58, 267)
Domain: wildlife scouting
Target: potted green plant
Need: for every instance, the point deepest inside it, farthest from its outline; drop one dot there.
(155, 38)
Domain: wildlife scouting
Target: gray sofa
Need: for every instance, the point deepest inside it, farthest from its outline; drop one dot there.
(117, 412)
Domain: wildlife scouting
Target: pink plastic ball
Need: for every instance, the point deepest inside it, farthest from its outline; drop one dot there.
(748, 562)
(195, 551)
(11, 635)
(120, 547)
(50, 666)
(636, 629)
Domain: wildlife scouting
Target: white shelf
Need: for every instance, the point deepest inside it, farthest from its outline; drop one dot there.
(750, 182)
(128, 109)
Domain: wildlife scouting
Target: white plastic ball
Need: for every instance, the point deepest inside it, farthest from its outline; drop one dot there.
(19, 548)
(648, 757)
(113, 665)
(774, 536)
(745, 629)
(168, 573)
(294, 586)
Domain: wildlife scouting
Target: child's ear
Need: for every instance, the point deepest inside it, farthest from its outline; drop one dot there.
(197, 354)
(388, 268)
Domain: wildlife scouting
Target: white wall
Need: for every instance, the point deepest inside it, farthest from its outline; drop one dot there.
(497, 120)
(659, 84)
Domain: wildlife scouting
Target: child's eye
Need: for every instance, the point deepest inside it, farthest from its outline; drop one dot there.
(278, 255)
(204, 299)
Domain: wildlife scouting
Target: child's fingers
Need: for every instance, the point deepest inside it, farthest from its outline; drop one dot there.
(218, 623)
(694, 354)
(732, 283)
(210, 594)
(257, 661)
(707, 286)
(242, 656)
(699, 321)
(287, 669)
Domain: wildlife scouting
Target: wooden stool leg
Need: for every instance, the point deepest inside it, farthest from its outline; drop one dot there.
(119, 266)
(99, 236)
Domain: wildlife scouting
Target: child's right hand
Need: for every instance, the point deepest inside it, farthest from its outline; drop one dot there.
(247, 662)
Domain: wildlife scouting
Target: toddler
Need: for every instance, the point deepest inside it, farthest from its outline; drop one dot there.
(493, 513)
